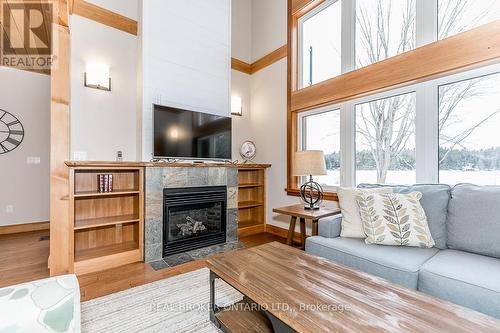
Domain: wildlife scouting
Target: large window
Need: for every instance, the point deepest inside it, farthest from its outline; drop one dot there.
(469, 124)
(321, 131)
(320, 34)
(443, 130)
(384, 28)
(455, 16)
(385, 140)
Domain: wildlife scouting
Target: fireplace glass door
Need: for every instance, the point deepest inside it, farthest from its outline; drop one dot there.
(193, 218)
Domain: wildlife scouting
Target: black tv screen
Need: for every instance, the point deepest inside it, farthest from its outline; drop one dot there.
(190, 135)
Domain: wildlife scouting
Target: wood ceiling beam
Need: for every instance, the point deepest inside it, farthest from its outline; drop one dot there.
(260, 64)
(103, 16)
(241, 66)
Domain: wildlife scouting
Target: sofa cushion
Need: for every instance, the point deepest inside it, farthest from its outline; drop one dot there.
(463, 278)
(474, 220)
(394, 263)
(435, 199)
(394, 219)
(50, 305)
(352, 225)
(330, 226)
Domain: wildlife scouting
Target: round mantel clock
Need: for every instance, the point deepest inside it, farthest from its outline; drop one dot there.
(248, 150)
(11, 132)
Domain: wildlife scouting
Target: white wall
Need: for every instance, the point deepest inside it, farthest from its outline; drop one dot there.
(185, 51)
(265, 122)
(25, 186)
(269, 107)
(241, 30)
(104, 122)
(269, 26)
(241, 48)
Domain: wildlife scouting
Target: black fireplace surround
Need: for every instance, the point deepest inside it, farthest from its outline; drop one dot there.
(193, 218)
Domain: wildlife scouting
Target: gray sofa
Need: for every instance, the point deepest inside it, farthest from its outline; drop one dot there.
(463, 267)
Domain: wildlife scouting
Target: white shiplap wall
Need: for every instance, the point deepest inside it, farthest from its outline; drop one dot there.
(185, 58)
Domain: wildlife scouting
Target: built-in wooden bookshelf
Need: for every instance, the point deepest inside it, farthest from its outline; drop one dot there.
(251, 199)
(107, 227)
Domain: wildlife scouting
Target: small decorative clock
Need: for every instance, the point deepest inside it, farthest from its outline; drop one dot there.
(248, 150)
(11, 132)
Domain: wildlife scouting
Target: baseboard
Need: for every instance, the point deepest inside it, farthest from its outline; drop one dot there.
(17, 228)
(258, 229)
(281, 232)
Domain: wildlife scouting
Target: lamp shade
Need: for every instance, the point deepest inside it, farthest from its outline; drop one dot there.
(309, 163)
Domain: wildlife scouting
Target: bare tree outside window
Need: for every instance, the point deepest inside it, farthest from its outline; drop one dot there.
(385, 129)
(456, 16)
(385, 140)
(469, 144)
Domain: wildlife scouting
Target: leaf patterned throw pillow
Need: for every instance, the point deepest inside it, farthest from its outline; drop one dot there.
(394, 219)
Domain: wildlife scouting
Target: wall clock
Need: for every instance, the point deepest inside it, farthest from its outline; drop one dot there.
(248, 150)
(11, 132)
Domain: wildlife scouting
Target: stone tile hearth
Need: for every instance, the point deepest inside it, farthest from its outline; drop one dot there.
(179, 259)
(158, 178)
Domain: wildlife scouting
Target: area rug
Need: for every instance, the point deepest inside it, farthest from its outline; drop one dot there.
(178, 304)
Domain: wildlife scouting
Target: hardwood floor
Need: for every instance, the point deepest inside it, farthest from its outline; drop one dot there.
(23, 258)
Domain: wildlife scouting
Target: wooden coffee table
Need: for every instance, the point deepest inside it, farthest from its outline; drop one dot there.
(298, 211)
(292, 291)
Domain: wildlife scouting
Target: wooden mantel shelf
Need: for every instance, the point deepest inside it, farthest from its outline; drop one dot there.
(113, 164)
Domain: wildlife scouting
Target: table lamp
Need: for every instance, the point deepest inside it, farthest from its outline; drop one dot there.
(310, 163)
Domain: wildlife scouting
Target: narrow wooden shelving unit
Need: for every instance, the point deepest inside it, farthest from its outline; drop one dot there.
(251, 199)
(107, 227)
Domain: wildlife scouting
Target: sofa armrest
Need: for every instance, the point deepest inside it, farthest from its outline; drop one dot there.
(329, 227)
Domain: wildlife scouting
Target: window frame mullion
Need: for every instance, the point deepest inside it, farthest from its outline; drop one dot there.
(348, 36)
(427, 133)
(426, 24)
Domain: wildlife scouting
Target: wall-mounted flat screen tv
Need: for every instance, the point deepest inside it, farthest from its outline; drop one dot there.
(186, 134)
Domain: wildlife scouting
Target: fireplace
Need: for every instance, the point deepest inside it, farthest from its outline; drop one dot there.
(193, 218)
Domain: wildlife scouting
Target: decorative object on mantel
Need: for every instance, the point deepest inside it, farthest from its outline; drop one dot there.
(310, 163)
(248, 151)
(11, 132)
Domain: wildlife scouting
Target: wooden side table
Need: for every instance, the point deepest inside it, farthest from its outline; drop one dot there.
(298, 211)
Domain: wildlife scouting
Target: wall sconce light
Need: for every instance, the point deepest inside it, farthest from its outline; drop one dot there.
(236, 106)
(97, 76)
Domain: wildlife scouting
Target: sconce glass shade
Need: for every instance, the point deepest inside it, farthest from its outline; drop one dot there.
(97, 76)
(236, 106)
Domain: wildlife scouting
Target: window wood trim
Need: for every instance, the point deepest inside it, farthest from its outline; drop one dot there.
(471, 49)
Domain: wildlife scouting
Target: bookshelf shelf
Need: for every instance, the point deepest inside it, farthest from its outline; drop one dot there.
(91, 194)
(105, 221)
(102, 251)
(250, 185)
(249, 204)
(108, 227)
(251, 200)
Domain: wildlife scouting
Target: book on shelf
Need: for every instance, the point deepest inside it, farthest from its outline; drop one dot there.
(105, 183)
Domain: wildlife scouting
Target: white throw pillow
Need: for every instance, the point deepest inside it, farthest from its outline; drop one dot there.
(394, 219)
(352, 226)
